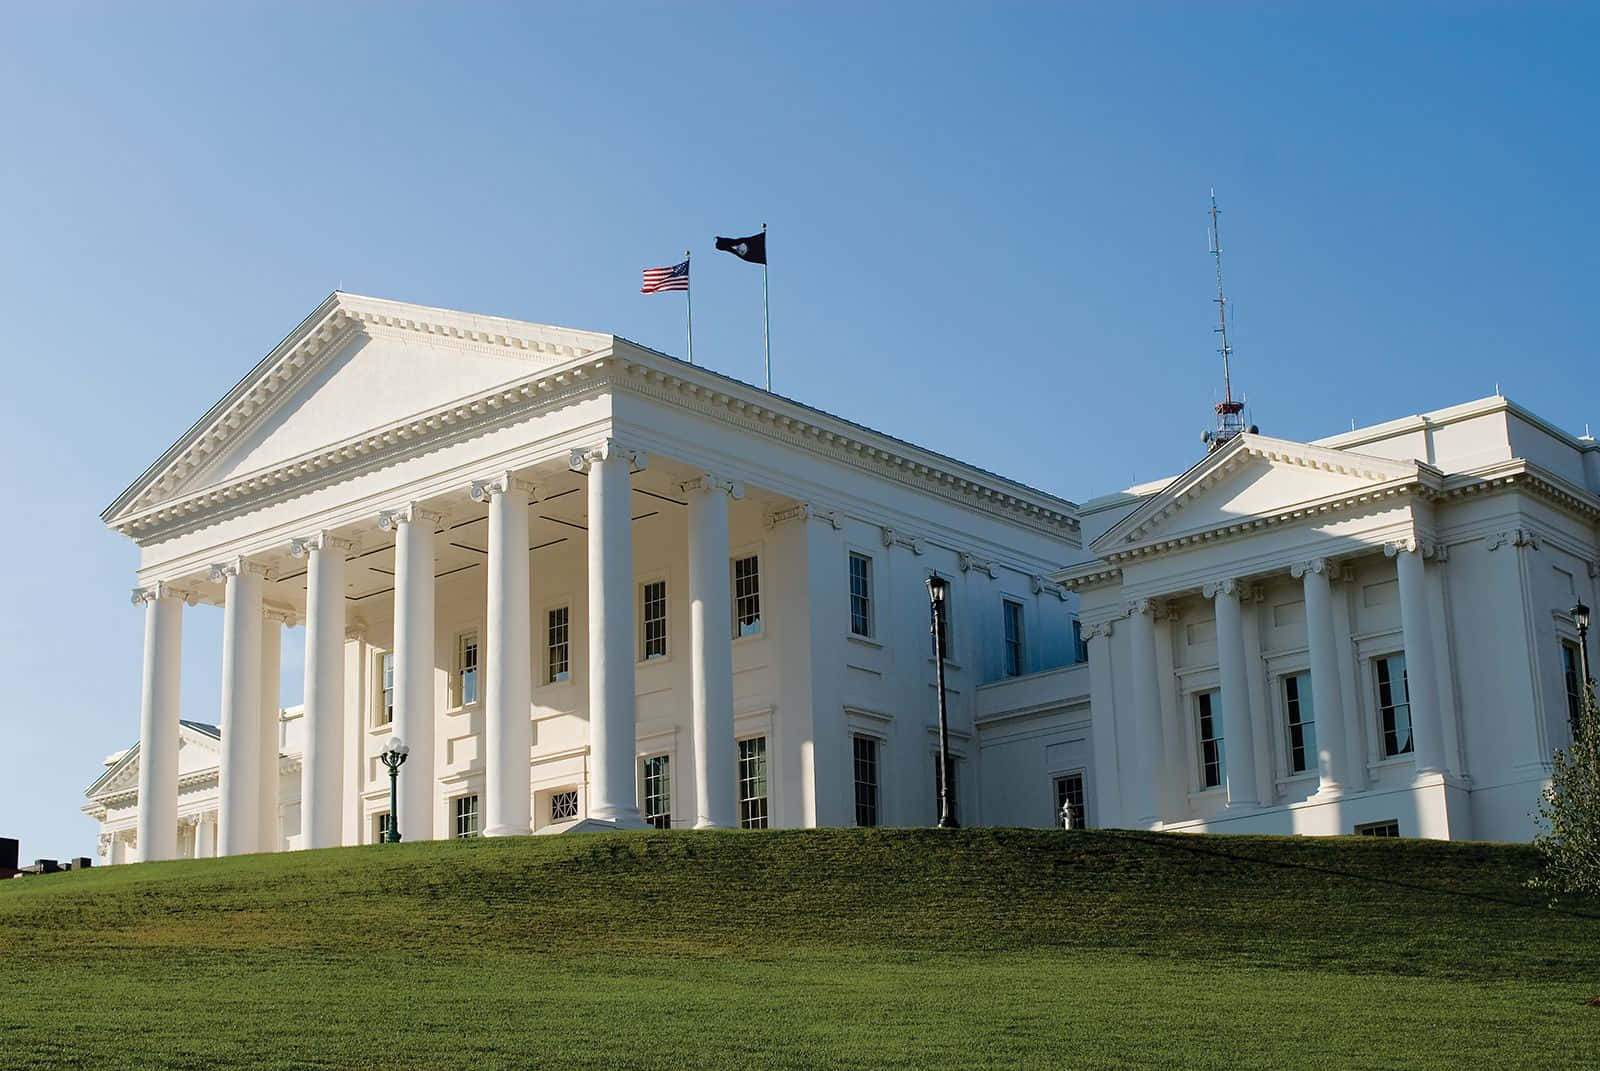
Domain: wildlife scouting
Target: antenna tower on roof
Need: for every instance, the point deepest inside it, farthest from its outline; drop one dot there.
(1230, 413)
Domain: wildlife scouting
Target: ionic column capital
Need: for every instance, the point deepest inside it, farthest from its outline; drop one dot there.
(503, 483)
(240, 566)
(161, 589)
(1520, 538)
(580, 459)
(1228, 586)
(356, 629)
(1323, 566)
(1098, 630)
(1142, 608)
(708, 482)
(283, 615)
(301, 546)
(391, 519)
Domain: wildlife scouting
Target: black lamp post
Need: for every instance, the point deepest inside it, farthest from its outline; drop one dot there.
(394, 756)
(1580, 619)
(938, 589)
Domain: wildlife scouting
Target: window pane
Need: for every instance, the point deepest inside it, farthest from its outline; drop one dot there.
(1213, 761)
(386, 701)
(866, 774)
(1394, 705)
(1013, 637)
(1571, 669)
(469, 669)
(860, 595)
(658, 792)
(558, 648)
(1069, 793)
(1302, 724)
(746, 596)
(653, 619)
(753, 783)
(466, 816)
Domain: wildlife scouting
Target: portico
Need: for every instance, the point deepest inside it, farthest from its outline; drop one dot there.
(553, 562)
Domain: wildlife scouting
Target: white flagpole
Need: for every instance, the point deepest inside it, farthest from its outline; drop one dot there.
(766, 332)
(688, 301)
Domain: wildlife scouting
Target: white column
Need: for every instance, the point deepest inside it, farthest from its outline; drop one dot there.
(711, 649)
(1327, 702)
(1147, 744)
(1103, 717)
(205, 836)
(414, 659)
(239, 781)
(613, 737)
(158, 721)
(269, 834)
(508, 683)
(1238, 735)
(1422, 681)
(322, 764)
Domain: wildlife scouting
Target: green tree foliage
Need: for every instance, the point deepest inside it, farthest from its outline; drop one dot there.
(1569, 811)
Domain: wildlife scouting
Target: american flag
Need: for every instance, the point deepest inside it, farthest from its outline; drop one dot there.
(658, 279)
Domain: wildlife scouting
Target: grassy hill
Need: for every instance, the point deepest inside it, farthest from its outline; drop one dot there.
(837, 948)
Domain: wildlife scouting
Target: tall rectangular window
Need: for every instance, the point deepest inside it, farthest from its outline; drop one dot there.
(557, 645)
(382, 823)
(466, 816)
(1572, 671)
(1080, 649)
(955, 780)
(860, 594)
(658, 791)
(746, 596)
(466, 683)
(1213, 760)
(385, 712)
(1302, 722)
(1012, 614)
(866, 774)
(653, 619)
(1394, 705)
(1069, 793)
(564, 805)
(753, 783)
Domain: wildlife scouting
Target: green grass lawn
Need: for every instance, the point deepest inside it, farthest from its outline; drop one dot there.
(834, 948)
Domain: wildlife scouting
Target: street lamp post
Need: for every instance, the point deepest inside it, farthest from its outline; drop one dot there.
(1580, 620)
(938, 590)
(394, 756)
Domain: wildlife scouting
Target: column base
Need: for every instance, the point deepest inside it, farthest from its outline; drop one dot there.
(707, 823)
(508, 831)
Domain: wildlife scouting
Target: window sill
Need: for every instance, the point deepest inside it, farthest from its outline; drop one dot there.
(1407, 759)
(754, 637)
(864, 641)
(386, 729)
(1219, 792)
(464, 708)
(949, 664)
(659, 660)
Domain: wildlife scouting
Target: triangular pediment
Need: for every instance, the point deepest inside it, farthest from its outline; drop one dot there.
(1253, 477)
(198, 751)
(354, 366)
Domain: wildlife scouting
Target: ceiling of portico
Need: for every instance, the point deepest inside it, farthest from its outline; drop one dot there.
(557, 517)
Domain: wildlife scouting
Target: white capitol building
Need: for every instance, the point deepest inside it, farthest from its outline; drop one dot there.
(591, 585)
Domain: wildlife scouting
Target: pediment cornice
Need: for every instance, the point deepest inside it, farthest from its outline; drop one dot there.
(297, 358)
(1153, 527)
(628, 368)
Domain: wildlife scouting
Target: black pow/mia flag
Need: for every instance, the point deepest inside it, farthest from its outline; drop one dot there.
(753, 248)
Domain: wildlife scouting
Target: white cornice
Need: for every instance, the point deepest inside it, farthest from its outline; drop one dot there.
(633, 369)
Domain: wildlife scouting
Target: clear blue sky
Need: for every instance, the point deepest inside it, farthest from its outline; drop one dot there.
(987, 236)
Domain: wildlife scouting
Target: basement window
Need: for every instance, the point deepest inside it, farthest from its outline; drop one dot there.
(1389, 827)
(466, 816)
(564, 805)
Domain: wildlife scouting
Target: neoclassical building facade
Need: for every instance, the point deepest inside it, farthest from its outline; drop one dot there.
(593, 586)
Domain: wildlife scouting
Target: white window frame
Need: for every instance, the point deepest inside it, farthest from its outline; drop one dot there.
(383, 705)
(739, 630)
(456, 816)
(1218, 732)
(1379, 752)
(740, 799)
(869, 598)
(665, 796)
(878, 743)
(640, 587)
(1055, 792)
(1305, 698)
(1007, 602)
(547, 674)
(458, 673)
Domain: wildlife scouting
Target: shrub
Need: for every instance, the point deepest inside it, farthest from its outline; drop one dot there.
(1569, 811)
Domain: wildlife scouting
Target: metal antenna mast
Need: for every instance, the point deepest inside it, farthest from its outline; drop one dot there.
(1230, 422)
